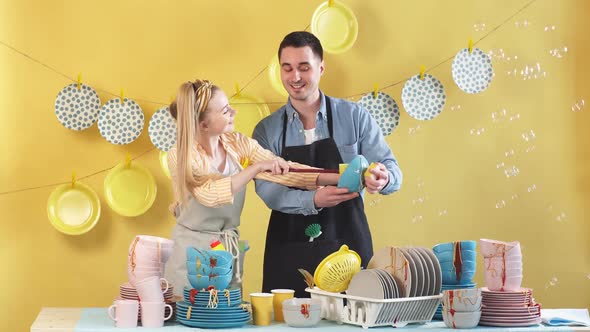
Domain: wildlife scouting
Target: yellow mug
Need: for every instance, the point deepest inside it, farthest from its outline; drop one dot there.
(280, 295)
(261, 308)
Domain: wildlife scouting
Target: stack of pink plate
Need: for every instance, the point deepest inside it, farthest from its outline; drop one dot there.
(128, 292)
(509, 308)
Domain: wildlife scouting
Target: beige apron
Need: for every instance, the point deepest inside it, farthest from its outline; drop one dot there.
(198, 225)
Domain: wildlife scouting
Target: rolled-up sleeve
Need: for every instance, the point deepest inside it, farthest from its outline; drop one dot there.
(374, 147)
(209, 191)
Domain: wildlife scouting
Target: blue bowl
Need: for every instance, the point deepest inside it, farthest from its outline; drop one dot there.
(465, 266)
(191, 267)
(450, 246)
(352, 177)
(450, 277)
(212, 258)
(203, 281)
(466, 255)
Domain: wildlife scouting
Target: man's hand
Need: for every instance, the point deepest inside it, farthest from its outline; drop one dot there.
(377, 178)
(331, 196)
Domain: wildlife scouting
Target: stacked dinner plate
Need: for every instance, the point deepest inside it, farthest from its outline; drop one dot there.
(373, 284)
(213, 308)
(416, 271)
(128, 292)
(509, 308)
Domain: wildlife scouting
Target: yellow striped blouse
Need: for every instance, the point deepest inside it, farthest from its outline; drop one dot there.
(214, 189)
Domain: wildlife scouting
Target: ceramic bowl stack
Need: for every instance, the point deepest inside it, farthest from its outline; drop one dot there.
(462, 308)
(209, 268)
(458, 264)
(505, 303)
(415, 271)
(147, 257)
(128, 292)
(502, 264)
(213, 309)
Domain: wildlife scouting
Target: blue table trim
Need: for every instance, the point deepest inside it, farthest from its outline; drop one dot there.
(97, 320)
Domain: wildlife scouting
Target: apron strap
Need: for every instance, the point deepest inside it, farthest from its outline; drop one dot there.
(330, 125)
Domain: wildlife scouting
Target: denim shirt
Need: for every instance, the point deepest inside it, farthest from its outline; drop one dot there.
(355, 132)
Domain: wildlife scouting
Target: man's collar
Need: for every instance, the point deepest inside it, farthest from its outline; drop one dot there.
(291, 110)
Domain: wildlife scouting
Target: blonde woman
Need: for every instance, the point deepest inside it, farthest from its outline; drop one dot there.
(210, 167)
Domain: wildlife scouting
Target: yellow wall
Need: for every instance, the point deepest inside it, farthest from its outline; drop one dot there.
(149, 47)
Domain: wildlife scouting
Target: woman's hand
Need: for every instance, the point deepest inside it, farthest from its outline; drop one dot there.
(274, 166)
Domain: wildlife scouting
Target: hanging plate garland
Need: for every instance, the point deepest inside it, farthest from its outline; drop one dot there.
(274, 76)
(472, 72)
(335, 25)
(73, 208)
(77, 109)
(130, 189)
(423, 99)
(250, 111)
(162, 129)
(120, 123)
(384, 110)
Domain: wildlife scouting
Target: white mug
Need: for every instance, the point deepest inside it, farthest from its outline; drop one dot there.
(150, 289)
(152, 313)
(125, 313)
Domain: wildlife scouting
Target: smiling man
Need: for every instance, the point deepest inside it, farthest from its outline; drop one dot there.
(319, 131)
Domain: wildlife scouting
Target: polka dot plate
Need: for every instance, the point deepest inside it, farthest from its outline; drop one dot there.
(472, 72)
(423, 99)
(77, 109)
(120, 123)
(384, 110)
(162, 129)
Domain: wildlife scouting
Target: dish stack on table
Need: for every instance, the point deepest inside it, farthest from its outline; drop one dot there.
(399, 286)
(462, 308)
(457, 261)
(209, 304)
(395, 272)
(505, 303)
(146, 289)
(147, 258)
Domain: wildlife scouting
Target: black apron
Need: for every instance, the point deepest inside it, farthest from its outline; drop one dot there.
(287, 246)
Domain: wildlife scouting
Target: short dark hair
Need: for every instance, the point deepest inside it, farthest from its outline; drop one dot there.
(302, 39)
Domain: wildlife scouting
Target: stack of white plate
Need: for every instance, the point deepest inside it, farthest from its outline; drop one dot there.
(509, 308)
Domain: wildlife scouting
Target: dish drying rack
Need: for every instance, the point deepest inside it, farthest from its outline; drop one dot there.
(367, 312)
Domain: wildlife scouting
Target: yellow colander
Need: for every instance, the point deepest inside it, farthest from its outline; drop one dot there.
(334, 273)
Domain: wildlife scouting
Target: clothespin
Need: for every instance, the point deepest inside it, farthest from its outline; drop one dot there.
(375, 90)
(73, 179)
(127, 159)
(237, 90)
(470, 46)
(422, 72)
(330, 3)
(79, 81)
(122, 97)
